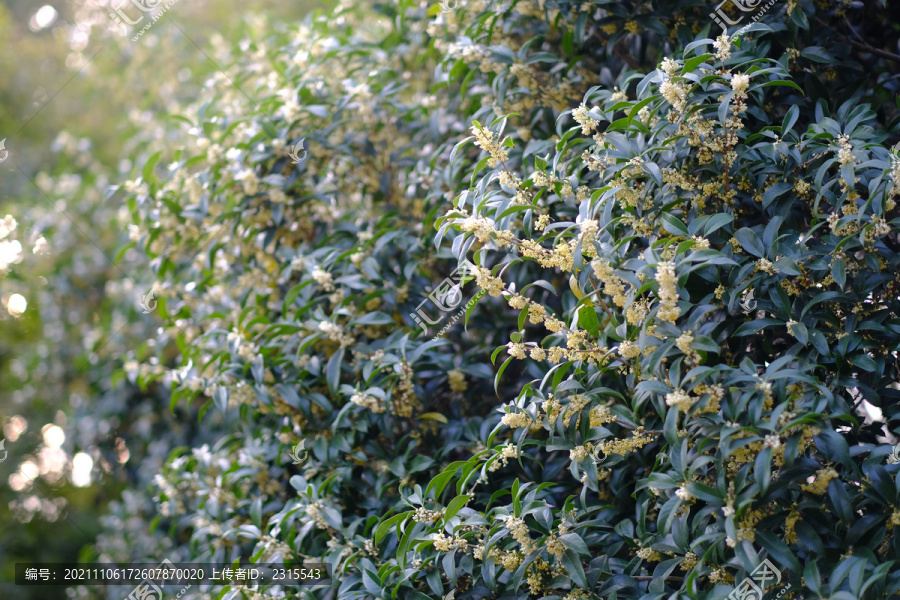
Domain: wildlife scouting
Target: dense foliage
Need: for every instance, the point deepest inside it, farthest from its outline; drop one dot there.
(76, 90)
(687, 246)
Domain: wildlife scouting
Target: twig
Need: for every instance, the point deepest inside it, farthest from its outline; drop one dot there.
(862, 45)
(628, 60)
(599, 298)
(876, 51)
(651, 578)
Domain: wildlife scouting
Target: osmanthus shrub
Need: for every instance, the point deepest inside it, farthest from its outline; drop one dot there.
(688, 245)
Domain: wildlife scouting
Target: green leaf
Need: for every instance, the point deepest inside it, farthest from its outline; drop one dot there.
(500, 373)
(147, 172)
(717, 222)
(662, 481)
(455, 506)
(441, 480)
(333, 371)
(478, 168)
(573, 567)
(750, 241)
(517, 505)
(775, 191)
(755, 326)
(839, 272)
(782, 82)
(817, 54)
(386, 525)
(587, 320)
(840, 500)
(574, 542)
(864, 362)
(374, 318)
(673, 225)
(691, 64)
(471, 304)
(789, 119)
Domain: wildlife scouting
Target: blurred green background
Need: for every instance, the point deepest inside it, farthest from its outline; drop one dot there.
(73, 91)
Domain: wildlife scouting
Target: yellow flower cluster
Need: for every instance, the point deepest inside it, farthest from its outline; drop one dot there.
(790, 522)
(519, 531)
(376, 405)
(576, 403)
(406, 401)
(613, 285)
(423, 515)
(649, 555)
(895, 176)
(720, 575)
(323, 278)
(684, 344)
(845, 154)
(637, 312)
(895, 519)
(683, 494)
(443, 543)
(681, 399)
(675, 94)
(722, 44)
(508, 560)
(768, 398)
(820, 484)
(583, 118)
(739, 83)
(516, 420)
(336, 333)
(716, 394)
(600, 415)
(457, 381)
(551, 408)
(484, 139)
(579, 453)
(578, 347)
(576, 594)
(314, 513)
(624, 446)
(506, 452)
(690, 561)
(482, 227)
(492, 285)
(628, 349)
(555, 546)
(668, 294)
(630, 194)
(536, 571)
(670, 67)
(746, 528)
